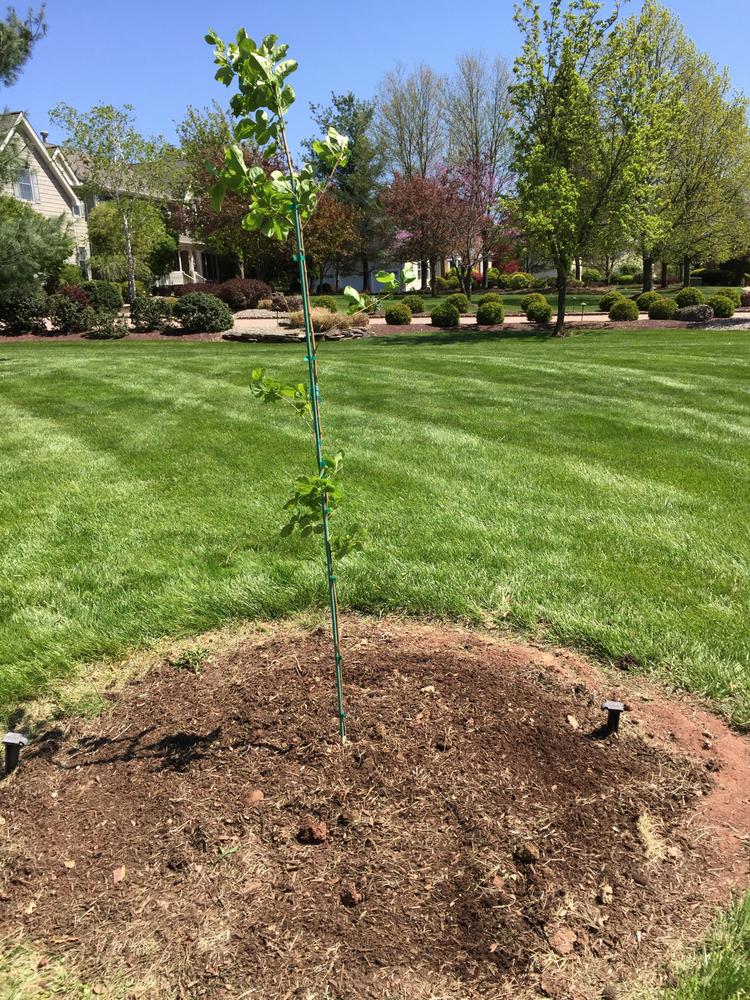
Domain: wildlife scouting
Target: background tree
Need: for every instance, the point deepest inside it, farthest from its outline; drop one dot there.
(424, 216)
(584, 136)
(478, 112)
(332, 236)
(357, 184)
(410, 123)
(17, 39)
(154, 246)
(33, 249)
(117, 163)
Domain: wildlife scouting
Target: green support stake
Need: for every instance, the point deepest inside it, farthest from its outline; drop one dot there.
(312, 368)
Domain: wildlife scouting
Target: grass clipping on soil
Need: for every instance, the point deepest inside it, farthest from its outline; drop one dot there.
(208, 836)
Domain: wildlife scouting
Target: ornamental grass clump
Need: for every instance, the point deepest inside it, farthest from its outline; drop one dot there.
(324, 320)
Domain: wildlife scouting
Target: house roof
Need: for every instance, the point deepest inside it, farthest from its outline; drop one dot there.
(15, 123)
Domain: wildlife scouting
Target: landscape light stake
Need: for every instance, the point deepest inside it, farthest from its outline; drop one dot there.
(13, 743)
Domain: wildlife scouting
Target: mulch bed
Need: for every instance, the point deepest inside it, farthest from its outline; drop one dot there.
(209, 837)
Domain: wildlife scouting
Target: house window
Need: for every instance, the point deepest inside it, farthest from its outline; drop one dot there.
(26, 187)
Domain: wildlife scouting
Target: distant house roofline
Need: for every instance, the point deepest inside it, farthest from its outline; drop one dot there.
(65, 174)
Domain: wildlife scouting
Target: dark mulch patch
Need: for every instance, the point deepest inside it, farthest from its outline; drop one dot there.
(466, 830)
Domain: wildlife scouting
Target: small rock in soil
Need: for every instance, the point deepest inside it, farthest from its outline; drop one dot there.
(312, 831)
(572, 722)
(350, 896)
(606, 895)
(528, 853)
(254, 797)
(563, 940)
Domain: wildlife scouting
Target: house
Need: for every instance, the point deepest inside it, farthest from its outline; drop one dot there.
(47, 181)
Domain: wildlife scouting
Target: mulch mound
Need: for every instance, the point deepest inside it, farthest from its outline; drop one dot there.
(209, 837)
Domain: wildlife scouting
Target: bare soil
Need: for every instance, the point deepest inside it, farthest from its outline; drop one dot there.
(209, 837)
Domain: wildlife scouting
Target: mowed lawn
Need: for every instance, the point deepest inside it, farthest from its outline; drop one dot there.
(594, 489)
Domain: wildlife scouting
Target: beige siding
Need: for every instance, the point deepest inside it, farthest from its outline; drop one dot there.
(53, 200)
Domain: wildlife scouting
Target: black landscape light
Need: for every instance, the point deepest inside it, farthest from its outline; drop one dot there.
(13, 743)
(614, 710)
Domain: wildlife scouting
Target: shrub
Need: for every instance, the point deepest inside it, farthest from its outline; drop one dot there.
(574, 283)
(325, 289)
(414, 302)
(531, 297)
(490, 313)
(722, 306)
(520, 280)
(716, 276)
(243, 293)
(477, 279)
(539, 311)
(592, 276)
(623, 310)
(207, 287)
(70, 274)
(140, 289)
(460, 301)
(324, 320)
(732, 293)
(69, 316)
(150, 314)
(324, 302)
(503, 280)
(441, 284)
(689, 297)
(200, 313)
(607, 301)
(445, 315)
(645, 300)
(701, 313)
(293, 303)
(279, 302)
(453, 282)
(23, 310)
(626, 279)
(662, 308)
(266, 304)
(108, 326)
(398, 314)
(493, 277)
(103, 295)
(74, 293)
(489, 297)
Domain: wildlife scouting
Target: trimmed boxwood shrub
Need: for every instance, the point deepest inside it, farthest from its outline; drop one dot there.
(607, 301)
(150, 314)
(539, 311)
(521, 280)
(200, 313)
(623, 310)
(104, 295)
(689, 297)
(591, 276)
(324, 302)
(701, 313)
(663, 308)
(493, 276)
(531, 297)
(460, 301)
(398, 314)
(732, 293)
(489, 297)
(69, 316)
(716, 276)
(490, 313)
(445, 315)
(722, 306)
(414, 302)
(23, 310)
(645, 300)
(626, 279)
(324, 288)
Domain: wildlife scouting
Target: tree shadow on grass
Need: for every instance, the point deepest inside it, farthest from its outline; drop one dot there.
(442, 338)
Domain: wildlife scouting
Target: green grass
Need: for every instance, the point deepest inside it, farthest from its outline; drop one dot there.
(722, 970)
(512, 300)
(595, 488)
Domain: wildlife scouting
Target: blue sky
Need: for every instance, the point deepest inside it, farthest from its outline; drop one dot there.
(151, 53)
